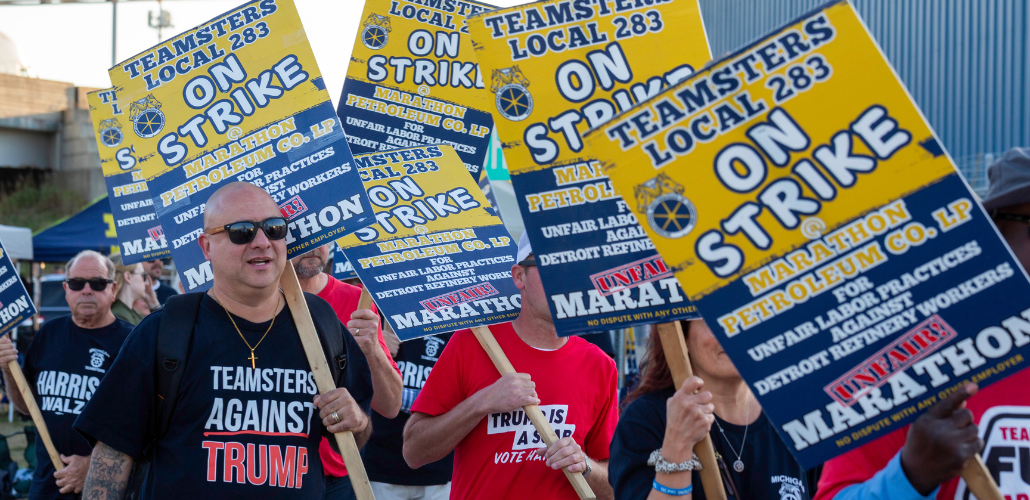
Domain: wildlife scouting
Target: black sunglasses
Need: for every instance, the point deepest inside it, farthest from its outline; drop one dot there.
(97, 284)
(243, 232)
(528, 262)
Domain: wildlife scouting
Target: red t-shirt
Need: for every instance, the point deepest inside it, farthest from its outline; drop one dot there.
(577, 387)
(1002, 410)
(344, 299)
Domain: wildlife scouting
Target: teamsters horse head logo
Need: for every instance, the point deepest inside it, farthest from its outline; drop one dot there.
(110, 132)
(669, 213)
(147, 118)
(376, 32)
(513, 100)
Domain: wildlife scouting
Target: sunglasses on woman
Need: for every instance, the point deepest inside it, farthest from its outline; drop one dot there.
(97, 284)
(243, 232)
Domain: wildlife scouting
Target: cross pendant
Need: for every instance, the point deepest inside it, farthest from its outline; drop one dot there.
(252, 359)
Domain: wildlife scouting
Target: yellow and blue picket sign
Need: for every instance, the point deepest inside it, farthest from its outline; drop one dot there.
(438, 259)
(413, 79)
(15, 302)
(139, 232)
(240, 98)
(820, 227)
(555, 69)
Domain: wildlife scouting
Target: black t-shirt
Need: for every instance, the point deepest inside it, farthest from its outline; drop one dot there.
(603, 340)
(66, 363)
(382, 455)
(770, 471)
(235, 432)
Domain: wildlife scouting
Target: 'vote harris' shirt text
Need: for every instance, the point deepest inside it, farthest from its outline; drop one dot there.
(236, 430)
(576, 385)
(66, 364)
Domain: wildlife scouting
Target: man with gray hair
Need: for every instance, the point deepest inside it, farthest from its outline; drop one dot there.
(64, 365)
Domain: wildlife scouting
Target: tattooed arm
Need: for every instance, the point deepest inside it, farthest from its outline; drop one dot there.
(108, 475)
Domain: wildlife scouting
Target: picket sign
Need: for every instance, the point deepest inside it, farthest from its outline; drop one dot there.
(323, 378)
(979, 480)
(675, 347)
(37, 418)
(489, 343)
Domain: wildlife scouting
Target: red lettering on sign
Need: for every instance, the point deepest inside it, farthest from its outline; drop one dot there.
(899, 355)
(630, 275)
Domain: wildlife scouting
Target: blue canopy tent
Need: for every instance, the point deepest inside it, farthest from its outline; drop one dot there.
(90, 229)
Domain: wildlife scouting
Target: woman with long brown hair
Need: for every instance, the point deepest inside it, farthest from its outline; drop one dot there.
(651, 453)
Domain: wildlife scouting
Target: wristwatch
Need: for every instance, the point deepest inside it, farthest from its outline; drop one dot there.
(660, 465)
(589, 468)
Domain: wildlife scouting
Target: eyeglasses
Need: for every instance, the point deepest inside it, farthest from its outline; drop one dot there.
(528, 262)
(243, 232)
(97, 284)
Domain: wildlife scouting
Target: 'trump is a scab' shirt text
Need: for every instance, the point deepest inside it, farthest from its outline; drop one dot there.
(236, 431)
(577, 389)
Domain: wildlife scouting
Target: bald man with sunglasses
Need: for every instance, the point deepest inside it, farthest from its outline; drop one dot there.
(247, 420)
(67, 357)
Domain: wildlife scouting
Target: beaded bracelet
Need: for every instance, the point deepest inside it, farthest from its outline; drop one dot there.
(672, 491)
(657, 461)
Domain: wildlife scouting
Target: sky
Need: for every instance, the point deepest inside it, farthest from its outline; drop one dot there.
(72, 42)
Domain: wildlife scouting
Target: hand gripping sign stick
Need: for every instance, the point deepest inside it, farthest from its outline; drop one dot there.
(675, 347)
(323, 377)
(37, 418)
(489, 343)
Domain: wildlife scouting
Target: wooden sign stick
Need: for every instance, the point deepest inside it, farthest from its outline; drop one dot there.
(979, 480)
(365, 301)
(37, 417)
(489, 343)
(674, 345)
(323, 377)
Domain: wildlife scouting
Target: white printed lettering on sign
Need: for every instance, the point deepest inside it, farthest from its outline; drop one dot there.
(526, 436)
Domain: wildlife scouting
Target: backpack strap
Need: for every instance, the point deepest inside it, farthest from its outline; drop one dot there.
(174, 336)
(330, 335)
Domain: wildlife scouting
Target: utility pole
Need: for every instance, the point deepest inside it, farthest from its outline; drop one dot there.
(163, 19)
(114, 32)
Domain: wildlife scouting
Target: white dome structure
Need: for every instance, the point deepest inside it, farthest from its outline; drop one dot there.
(10, 63)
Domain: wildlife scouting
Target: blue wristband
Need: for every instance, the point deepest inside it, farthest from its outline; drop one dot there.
(672, 491)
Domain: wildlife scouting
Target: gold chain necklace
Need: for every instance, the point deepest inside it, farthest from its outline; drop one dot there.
(253, 359)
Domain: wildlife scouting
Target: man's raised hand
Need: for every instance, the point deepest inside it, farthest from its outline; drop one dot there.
(364, 326)
(941, 442)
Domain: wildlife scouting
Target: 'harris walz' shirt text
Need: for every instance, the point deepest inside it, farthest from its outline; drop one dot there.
(66, 363)
(236, 431)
